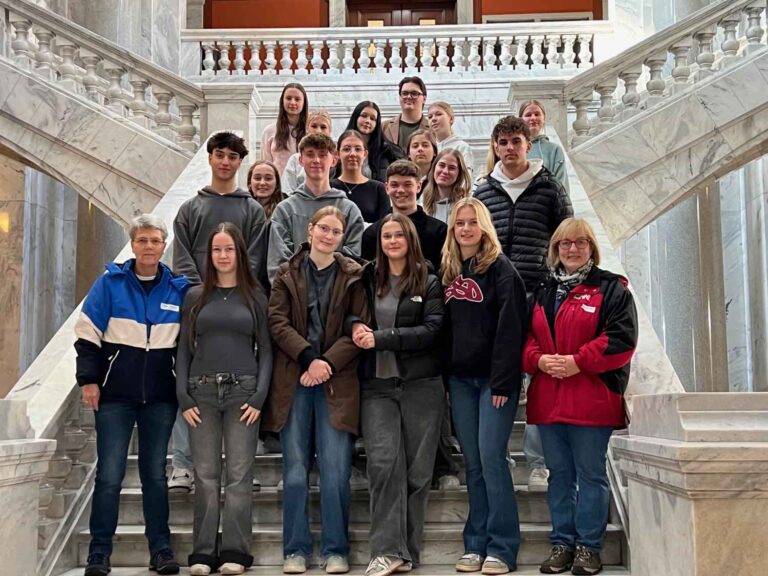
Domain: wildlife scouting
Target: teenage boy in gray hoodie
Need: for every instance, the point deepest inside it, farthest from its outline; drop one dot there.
(221, 201)
(290, 220)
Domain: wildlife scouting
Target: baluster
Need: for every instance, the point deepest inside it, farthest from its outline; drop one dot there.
(67, 70)
(630, 98)
(568, 57)
(45, 60)
(474, 54)
(396, 56)
(301, 59)
(270, 61)
(23, 55)
(380, 60)
(505, 58)
(333, 57)
(286, 60)
(581, 123)
(138, 105)
(186, 127)
(489, 55)
(239, 60)
(115, 95)
(410, 55)
(553, 56)
(59, 469)
(209, 62)
(681, 71)
(585, 54)
(521, 56)
(731, 44)
(91, 80)
(537, 56)
(317, 58)
(459, 61)
(364, 60)
(606, 112)
(442, 54)
(425, 54)
(224, 61)
(255, 61)
(348, 62)
(656, 84)
(705, 58)
(163, 115)
(754, 32)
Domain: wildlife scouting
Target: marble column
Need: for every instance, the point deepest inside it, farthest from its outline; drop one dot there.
(697, 471)
(195, 14)
(465, 12)
(337, 13)
(23, 463)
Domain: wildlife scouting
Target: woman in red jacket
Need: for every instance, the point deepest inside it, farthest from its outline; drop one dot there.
(582, 336)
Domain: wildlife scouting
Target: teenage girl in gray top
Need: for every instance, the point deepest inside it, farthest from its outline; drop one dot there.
(223, 370)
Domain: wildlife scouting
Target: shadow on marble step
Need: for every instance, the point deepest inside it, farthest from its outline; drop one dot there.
(442, 544)
(443, 506)
(269, 470)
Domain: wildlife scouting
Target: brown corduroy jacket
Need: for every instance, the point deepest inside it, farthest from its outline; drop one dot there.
(391, 128)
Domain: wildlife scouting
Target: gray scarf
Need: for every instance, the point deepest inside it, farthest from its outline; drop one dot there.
(566, 282)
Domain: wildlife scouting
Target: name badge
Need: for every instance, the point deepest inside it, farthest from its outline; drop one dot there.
(590, 309)
(169, 307)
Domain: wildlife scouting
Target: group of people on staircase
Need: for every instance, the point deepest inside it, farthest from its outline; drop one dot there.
(362, 288)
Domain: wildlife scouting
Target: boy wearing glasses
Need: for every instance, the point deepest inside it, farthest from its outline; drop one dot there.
(290, 220)
(413, 94)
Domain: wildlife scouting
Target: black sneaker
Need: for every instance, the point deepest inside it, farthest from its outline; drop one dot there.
(164, 562)
(98, 565)
(560, 560)
(586, 562)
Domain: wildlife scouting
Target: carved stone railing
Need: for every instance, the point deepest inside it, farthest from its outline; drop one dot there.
(664, 64)
(393, 50)
(87, 64)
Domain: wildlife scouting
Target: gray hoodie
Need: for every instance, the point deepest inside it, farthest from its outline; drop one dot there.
(290, 222)
(197, 218)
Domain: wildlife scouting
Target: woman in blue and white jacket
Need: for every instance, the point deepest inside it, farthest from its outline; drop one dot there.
(126, 342)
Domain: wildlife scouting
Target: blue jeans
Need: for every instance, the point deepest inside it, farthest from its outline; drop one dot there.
(181, 453)
(309, 427)
(493, 525)
(114, 426)
(576, 456)
(534, 453)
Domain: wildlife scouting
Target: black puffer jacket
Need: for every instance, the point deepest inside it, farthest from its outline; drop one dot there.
(416, 337)
(525, 227)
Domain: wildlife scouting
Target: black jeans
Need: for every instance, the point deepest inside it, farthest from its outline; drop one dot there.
(401, 427)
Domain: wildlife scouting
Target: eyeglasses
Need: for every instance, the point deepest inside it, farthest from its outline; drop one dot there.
(581, 243)
(410, 94)
(328, 230)
(154, 242)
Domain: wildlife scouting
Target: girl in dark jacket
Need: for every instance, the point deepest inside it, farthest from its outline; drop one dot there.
(583, 334)
(366, 119)
(223, 370)
(402, 393)
(314, 401)
(486, 304)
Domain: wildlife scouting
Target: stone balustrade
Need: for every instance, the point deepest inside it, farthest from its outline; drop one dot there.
(663, 65)
(82, 62)
(391, 50)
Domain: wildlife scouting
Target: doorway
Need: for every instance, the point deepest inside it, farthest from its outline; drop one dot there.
(398, 13)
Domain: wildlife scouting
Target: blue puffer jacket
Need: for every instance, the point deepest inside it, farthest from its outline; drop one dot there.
(126, 338)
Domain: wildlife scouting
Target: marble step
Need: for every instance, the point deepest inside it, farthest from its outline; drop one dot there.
(423, 570)
(442, 544)
(269, 469)
(444, 506)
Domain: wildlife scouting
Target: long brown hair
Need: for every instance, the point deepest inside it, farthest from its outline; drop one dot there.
(413, 281)
(277, 195)
(247, 287)
(283, 128)
(490, 248)
(459, 189)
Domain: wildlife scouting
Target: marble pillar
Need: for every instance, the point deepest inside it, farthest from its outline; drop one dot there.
(23, 463)
(195, 14)
(697, 471)
(337, 13)
(465, 12)
(11, 250)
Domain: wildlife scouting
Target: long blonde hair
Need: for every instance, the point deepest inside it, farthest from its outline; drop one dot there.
(490, 247)
(460, 189)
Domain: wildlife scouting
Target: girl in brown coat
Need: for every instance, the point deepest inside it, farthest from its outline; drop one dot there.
(315, 399)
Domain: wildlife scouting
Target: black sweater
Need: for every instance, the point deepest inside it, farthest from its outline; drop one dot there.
(371, 197)
(431, 232)
(487, 317)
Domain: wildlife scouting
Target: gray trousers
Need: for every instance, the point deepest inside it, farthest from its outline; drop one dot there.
(220, 412)
(401, 427)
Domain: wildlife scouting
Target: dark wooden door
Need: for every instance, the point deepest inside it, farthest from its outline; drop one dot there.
(399, 13)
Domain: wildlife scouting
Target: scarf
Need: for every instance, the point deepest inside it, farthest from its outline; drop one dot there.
(566, 282)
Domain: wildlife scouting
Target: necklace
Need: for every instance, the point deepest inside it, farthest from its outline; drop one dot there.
(350, 190)
(225, 295)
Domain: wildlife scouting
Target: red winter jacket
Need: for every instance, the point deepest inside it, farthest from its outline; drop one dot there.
(597, 323)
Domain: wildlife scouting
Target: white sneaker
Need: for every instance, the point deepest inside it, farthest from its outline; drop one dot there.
(182, 480)
(231, 568)
(336, 564)
(358, 481)
(383, 565)
(538, 480)
(448, 482)
(470, 562)
(199, 570)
